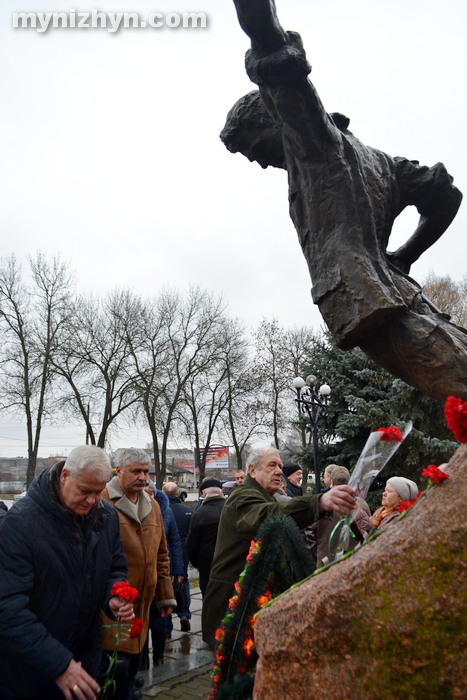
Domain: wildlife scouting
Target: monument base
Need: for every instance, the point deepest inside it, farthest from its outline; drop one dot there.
(387, 623)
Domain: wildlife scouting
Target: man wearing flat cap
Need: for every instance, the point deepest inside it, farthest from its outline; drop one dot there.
(293, 479)
(201, 541)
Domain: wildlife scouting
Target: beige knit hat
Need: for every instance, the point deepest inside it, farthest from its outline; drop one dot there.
(406, 488)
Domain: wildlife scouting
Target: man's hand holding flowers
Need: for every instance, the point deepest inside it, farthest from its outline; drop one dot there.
(121, 605)
(122, 609)
(340, 498)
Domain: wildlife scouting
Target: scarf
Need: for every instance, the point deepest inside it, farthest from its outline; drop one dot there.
(382, 513)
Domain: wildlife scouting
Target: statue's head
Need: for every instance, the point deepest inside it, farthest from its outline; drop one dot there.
(250, 130)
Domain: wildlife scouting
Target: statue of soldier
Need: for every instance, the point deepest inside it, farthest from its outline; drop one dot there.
(344, 197)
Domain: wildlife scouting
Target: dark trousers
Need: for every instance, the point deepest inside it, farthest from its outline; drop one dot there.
(52, 692)
(127, 668)
(186, 585)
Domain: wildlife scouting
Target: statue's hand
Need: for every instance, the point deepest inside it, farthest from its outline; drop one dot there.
(259, 21)
(398, 262)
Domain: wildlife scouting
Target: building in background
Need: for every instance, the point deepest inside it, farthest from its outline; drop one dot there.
(13, 472)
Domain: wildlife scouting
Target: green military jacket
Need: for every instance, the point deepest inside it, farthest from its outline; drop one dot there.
(246, 508)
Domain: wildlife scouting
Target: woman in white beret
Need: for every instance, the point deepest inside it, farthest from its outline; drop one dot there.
(397, 489)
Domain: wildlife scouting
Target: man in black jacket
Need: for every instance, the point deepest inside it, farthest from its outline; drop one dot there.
(60, 555)
(202, 536)
(293, 479)
(182, 514)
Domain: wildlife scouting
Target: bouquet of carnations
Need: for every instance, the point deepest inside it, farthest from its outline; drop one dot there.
(123, 630)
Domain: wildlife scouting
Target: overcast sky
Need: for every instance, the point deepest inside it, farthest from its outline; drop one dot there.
(110, 153)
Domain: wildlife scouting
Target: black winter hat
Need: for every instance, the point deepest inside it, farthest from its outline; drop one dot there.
(210, 483)
(290, 468)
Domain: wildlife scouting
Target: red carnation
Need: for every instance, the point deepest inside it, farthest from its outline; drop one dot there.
(124, 591)
(391, 434)
(405, 505)
(136, 628)
(455, 411)
(436, 475)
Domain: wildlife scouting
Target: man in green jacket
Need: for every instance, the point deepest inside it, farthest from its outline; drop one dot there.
(244, 511)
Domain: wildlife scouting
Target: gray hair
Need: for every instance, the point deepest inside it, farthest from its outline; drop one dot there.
(339, 475)
(124, 455)
(329, 469)
(88, 458)
(256, 455)
(212, 491)
(170, 488)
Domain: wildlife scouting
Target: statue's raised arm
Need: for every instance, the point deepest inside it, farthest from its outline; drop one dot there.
(258, 19)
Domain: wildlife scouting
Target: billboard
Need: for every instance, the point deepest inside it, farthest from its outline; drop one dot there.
(217, 457)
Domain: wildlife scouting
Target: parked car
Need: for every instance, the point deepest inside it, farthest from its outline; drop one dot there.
(182, 493)
(227, 487)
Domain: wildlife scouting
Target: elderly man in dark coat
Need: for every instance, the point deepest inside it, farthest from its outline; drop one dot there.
(60, 555)
(293, 479)
(202, 536)
(244, 511)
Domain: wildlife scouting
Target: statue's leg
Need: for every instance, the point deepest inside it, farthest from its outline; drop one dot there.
(424, 350)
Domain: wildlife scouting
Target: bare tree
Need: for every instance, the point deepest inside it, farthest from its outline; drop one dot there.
(150, 349)
(278, 356)
(270, 363)
(246, 415)
(247, 420)
(211, 392)
(176, 345)
(299, 343)
(96, 364)
(33, 318)
(448, 295)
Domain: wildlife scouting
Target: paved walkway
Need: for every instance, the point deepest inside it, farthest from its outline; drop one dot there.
(187, 662)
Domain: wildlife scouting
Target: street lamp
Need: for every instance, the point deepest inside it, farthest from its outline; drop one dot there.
(313, 403)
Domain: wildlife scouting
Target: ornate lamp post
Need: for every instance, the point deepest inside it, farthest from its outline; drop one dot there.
(312, 403)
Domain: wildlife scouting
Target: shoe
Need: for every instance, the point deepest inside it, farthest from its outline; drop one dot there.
(185, 624)
(158, 661)
(138, 681)
(137, 695)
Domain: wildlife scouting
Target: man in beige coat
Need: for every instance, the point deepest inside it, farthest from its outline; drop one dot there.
(144, 544)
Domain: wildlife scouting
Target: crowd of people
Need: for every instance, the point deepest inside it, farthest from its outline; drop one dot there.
(76, 534)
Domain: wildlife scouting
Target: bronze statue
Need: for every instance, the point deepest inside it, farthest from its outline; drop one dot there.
(344, 197)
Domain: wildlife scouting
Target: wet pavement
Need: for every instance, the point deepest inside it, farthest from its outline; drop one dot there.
(187, 662)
